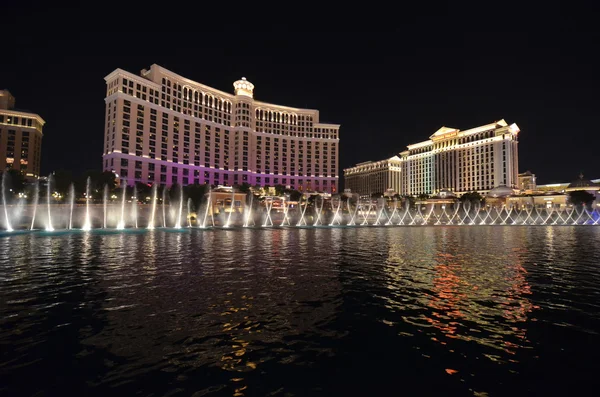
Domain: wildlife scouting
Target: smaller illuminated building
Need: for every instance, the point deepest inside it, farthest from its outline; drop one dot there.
(221, 197)
(527, 182)
(20, 138)
(374, 176)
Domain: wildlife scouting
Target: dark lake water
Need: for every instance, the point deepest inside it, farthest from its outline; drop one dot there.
(474, 311)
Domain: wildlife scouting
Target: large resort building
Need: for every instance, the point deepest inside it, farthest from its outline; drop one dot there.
(477, 159)
(162, 128)
(20, 138)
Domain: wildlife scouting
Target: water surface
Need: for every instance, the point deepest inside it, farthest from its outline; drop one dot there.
(483, 310)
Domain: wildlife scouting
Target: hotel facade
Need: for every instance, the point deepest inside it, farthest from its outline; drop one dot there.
(374, 176)
(477, 159)
(162, 128)
(20, 138)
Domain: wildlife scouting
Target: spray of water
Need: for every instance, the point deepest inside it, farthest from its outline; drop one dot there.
(36, 197)
(154, 199)
(164, 199)
(105, 205)
(87, 224)
(72, 203)
(49, 227)
(134, 206)
(178, 223)
(8, 226)
(121, 224)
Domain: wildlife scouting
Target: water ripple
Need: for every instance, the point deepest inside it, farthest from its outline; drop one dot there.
(428, 310)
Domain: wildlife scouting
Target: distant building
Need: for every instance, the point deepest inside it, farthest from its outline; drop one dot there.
(561, 187)
(527, 182)
(163, 128)
(374, 177)
(477, 159)
(20, 138)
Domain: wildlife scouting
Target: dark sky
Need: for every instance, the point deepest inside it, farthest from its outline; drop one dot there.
(387, 90)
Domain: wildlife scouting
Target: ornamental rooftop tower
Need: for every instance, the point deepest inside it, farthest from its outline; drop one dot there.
(162, 128)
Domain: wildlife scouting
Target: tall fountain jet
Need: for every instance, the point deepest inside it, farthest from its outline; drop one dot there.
(208, 205)
(302, 221)
(36, 197)
(230, 208)
(164, 199)
(336, 211)
(105, 205)
(286, 208)
(178, 222)
(189, 211)
(49, 227)
(249, 212)
(8, 226)
(121, 224)
(134, 207)
(353, 214)
(154, 199)
(87, 224)
(269, 207)
(72, 203)
(319, 211)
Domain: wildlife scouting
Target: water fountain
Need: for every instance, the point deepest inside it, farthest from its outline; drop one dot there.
(87, 224)
(380, 203)
(154, 200)
(336, 211)
(104, 204)
(208, 206)
(352, 221)
(269, 207)
(302, 221)
(189, 211)
(394, 213)
(134, 207)
(286, 209)
(366, 216)
(248, 217)
(164, 199)
(121, 224)
(7, 220)
(71, 204)
(178, 221)
(227, 224)
(36, 197)
(319, 202)
(382, 213)
(49, 227)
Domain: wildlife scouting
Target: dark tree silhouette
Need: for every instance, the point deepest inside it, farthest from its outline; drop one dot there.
(471, 196)
(580, 197)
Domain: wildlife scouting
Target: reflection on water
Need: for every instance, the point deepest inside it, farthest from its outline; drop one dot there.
(440, 310)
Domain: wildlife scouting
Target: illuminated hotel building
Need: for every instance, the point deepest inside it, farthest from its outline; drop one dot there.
(374, 176)
(477, 159)
(20, 138)
(163, 128)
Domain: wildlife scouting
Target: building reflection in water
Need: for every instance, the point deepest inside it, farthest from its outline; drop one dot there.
(226, 302)
(468, 287)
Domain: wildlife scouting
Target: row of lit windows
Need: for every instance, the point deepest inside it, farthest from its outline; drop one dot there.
(20, 121)
(221, 110)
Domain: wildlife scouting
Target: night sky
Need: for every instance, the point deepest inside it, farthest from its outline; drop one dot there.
(387, 90)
